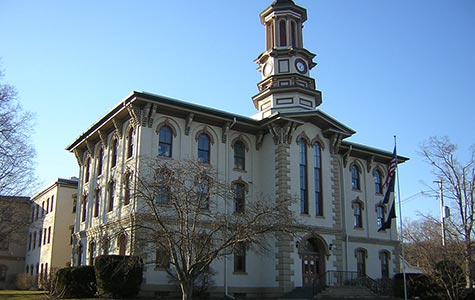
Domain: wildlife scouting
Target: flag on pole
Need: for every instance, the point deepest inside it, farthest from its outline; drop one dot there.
(389, 198)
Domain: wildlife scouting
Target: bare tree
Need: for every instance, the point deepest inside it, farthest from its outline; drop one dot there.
(16, 163)
(16, 151)
(192, 218)
(443, 265)
(458, 183)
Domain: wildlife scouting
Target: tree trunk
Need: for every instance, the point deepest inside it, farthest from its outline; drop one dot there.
(186, 290)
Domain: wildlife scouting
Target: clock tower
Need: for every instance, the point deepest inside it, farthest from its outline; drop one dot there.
(285, 65)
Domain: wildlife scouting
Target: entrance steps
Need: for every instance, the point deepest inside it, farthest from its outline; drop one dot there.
(350, 293)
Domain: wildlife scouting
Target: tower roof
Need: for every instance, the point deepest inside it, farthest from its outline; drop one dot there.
(279, 5)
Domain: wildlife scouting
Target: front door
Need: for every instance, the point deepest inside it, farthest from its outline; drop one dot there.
(310, 270)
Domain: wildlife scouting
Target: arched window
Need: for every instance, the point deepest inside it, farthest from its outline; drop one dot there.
(378, 185)
(100, 161)
(317, 170)
(357, 212)
(355, 177)
(92, 252)
(52, 203)
(361, 262)
(105, 246)
(130, 143)
(380, 215)
(114, 152)
(79, 253)
(204, 148)
(3, 273)
(110, 192)
(303, 176)
(84, 208)
(384, 256)
(165, 141)
(293, 34)
(88, 170)
(122, 244)
(97, 201)
(202, 191)
(239, 197)
(240, 258)
(282, 33)
(127, 177)
(239, 155)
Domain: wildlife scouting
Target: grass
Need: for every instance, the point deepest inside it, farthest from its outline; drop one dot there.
(27, 295)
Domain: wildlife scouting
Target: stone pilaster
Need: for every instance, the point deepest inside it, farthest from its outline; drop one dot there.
(284, 243)
(337, 211)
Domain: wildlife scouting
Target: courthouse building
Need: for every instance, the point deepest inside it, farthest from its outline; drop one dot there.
(289, 149)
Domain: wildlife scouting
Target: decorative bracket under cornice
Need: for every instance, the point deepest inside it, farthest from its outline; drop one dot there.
(118, 127)
(225, 129)
(259, 139)
(102, 137)
(369, 163)
(134, 113)
(189, 120)
(335, 142)
(282, 134)
(90, 148)
(79, 155)
(346, 156)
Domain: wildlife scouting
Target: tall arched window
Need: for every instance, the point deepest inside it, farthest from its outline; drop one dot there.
(355, 177)
(92, 251)
(317, 170)
(130, 143)
(97, 201)
(165, 141)
(361, 262)
(84, 208)
(303, 176)
(358, 214)
(114, 153)
(88, 169)
(79, 253)
(239, 197)
(100, 161)
(282, 33)
(3, 273)
(122, 244)
(204, 148)
(110, 193)
(239, 155)
(384, 256)
(127, 177)
(293, 33)
(378, 186)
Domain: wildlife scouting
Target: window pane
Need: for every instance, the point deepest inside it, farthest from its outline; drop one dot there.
(203, 149)
(239, 155)
(165, 142)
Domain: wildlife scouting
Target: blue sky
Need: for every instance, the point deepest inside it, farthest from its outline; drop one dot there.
(385, 68)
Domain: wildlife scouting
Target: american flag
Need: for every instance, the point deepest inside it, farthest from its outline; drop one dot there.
(391, 169)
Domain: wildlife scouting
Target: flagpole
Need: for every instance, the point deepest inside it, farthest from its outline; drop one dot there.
(403, 254)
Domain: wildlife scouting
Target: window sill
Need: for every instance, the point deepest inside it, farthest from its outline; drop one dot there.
(239, 273)
(358, 228)
(240, 170)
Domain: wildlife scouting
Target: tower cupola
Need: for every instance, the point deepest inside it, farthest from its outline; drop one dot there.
(285, 65)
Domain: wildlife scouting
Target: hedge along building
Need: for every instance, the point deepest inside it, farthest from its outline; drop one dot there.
(288, 149)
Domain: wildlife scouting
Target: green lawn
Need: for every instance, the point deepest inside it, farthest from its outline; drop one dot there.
(27, 295)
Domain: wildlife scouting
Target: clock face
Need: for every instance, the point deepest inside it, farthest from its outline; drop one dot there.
(267, 70)
(301, 66)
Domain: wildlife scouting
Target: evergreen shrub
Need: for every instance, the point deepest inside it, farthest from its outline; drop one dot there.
(74, 282)
(118, 276)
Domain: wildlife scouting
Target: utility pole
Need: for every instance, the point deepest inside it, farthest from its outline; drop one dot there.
(442, 209)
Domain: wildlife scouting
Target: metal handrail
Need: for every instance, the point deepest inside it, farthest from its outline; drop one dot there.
(352, 278)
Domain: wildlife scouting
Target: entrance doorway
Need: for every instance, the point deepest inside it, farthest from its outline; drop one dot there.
(313, 262)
